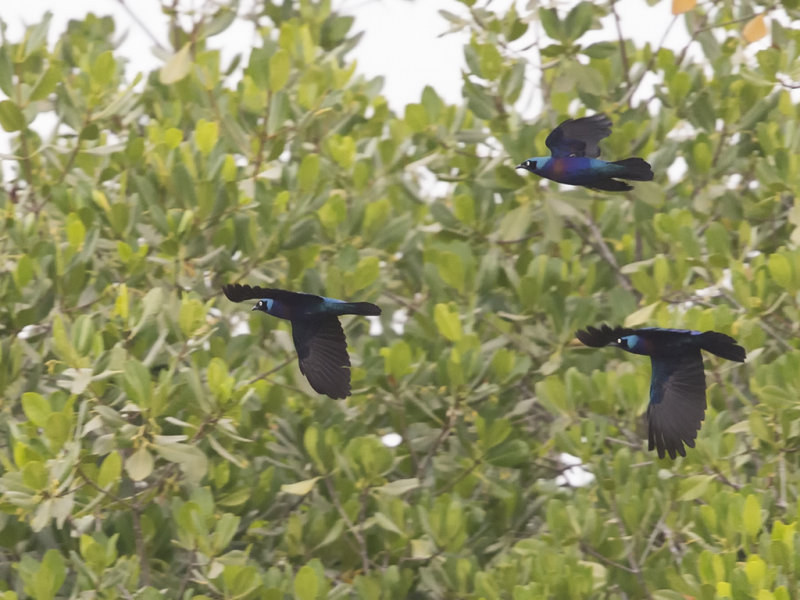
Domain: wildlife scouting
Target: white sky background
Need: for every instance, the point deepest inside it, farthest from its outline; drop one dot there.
(403, 39)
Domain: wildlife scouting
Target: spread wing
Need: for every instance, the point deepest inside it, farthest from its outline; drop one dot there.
(322, 354)
(597, 338)
(677, 402)
(579, 137)
(239, 293)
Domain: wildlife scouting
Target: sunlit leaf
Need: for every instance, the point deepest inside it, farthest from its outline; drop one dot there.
(754, 29)
(681, 6)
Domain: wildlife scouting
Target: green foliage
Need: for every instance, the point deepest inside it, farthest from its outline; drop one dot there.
(149, 444)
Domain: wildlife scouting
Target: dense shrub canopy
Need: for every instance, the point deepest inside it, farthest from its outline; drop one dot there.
(159, 441)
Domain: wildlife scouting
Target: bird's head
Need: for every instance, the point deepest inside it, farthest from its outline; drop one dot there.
(634, 344)
(532, 164)
(620, 343)
(264, 305)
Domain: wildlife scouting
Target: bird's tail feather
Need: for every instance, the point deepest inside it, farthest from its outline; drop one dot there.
(636, 169)
(358, 308)
(722, 345)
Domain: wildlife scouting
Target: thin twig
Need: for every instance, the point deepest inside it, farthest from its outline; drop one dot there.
(141, 24)
(144, 574)
(587, 548)
(439, 439)
(271, 371)
(187, 575)
(626, 67)
(600, 245)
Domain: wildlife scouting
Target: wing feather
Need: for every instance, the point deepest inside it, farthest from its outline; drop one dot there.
(677, 402)
(322, 354)
(603, 336)
(579, 137)
(237, 292)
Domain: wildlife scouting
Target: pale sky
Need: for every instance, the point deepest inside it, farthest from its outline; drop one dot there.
(403, 39)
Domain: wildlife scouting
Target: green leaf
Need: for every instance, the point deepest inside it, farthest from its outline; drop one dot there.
(46, 84)
(579, 20)
(11, 117)
(279, 64)
(370, 456)
(191, 316)
(756, 570)
(447, 322)
(57, 429)
(219, 381)
(36, 408)
(103, 68)
(464, 208)
(140, 464)
(342, 149)
(366, 273)
(490, 60)
(398, 487)
(34, 475)
(224, 532)
(780, 269)
(642, 316)
(206, 134)
(36, 37)
(110, 470)
(305, 584)
(76, 231)
(50, 577)
(752, 516)
(301, 488)
(601, 49)
(551, 23)
(695, 486)
(513, 453)
(177, 66)
(515, 223)
(308, 173)
(451, 269)
(192, 461)
(397, 359)
(701, 157)
(416, 117)
(136, 383)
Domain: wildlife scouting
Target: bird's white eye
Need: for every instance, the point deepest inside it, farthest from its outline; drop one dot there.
(619, 340)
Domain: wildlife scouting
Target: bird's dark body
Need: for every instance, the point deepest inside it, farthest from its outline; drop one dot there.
(677, 385)
(574, 151)
(317, 334)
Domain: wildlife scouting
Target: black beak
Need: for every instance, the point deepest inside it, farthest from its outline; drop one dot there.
(255, 307)
(520, 166)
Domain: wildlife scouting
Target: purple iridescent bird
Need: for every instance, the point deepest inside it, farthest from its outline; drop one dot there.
(678, 383)
(316, 331)
(574, 149)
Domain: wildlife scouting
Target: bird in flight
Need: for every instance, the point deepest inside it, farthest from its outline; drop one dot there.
(678, 383)
(574, 150)
(317, 334)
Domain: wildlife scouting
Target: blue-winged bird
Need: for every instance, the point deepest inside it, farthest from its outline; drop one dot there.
(316, 331)
(678, 384)
(574, 149)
